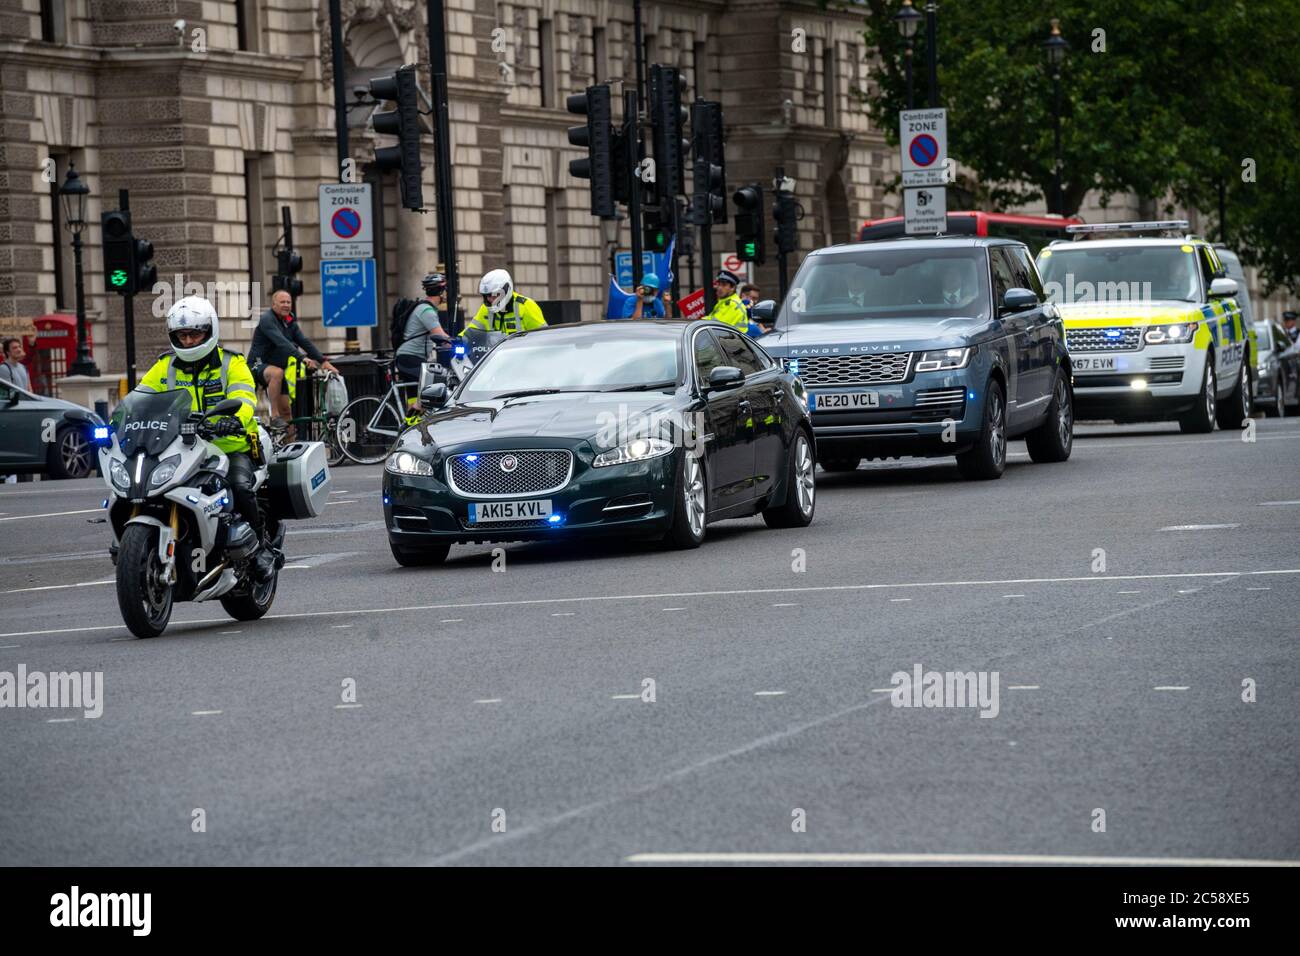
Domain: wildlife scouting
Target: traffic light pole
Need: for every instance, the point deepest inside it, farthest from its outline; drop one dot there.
(672, 261)
(634, 191)
(442, 158)
(706, 250)
(128, 307)
(286, 217)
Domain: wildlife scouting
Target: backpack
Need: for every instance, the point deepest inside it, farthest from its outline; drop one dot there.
(402, 310)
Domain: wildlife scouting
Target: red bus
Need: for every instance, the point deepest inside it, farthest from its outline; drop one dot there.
(1033, 231)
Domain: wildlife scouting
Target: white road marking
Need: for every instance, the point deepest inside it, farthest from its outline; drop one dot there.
(769, 693)
(785, 605)
(626, 697)
(1009, 858)
(489, 700)
(1188, 590)
(451, 620)
(59, 587)
(883, 690)
(673, 609)
(240, 631)
(1012, 595)
(1171, 688)
(204, 713)
(734, 592)
(1270, 504)
(340, 625)
(9, 647)
(119, 640)
(60, 720)
(564, 614)
(1024, 687)
(899, 600)
(297, 567)
(340, 492)
(350, 501)
(1130, 592)
(346, 706)
(53, 514)
(1198, 527)
(1259, 589)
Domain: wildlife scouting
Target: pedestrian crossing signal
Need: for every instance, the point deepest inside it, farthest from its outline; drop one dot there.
(117, 278)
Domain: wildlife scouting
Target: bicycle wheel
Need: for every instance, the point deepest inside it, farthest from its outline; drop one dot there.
(367, 429)
(333, 447)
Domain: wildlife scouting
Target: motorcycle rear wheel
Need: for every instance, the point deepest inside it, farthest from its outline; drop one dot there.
(143, 597)
(253, 603)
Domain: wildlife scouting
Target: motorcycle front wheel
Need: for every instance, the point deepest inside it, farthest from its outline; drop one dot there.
(143, 596)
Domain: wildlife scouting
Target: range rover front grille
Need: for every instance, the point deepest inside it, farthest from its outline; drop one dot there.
(822, 371)
(1118, 339)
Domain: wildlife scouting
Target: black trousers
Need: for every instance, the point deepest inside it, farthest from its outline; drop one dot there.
(240, 476)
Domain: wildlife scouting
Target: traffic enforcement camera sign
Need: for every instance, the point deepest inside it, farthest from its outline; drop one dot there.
(346, 231)
(925, 210)
(923, 142)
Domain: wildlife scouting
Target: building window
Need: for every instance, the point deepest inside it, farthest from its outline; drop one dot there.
(58, 237)
(255, 223)
(600, 54)
(546, 61)
(830, 82)
(53, 21)
(700, 67)
(248, 25)
(552, 243)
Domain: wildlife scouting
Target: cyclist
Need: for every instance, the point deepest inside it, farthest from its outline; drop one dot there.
(422, 325)
(504, 309)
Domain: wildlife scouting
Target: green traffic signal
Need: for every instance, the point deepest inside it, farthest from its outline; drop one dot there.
(751, 249)
(118, 277)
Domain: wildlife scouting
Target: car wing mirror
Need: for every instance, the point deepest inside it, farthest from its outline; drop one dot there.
(1220, 288)
(724, 377)
(1019, 300)
(764, 312)
(434, 396)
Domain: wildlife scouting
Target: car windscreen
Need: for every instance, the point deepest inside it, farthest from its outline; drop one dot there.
(605, 359)
(1264, 337)
(1119, 273)
(149, 421)
(898, 282)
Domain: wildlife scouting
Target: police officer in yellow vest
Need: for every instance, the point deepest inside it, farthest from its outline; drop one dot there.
(504, 309)
(728, 308)
(199, 365)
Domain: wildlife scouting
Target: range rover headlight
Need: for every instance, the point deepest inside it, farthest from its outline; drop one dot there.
(943, 359)
(404, 463)
(1173, 334)
(639, 449)
(118, 475)
(164, 471)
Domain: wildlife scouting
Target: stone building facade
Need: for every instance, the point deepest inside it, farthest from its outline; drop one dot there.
(216, 114)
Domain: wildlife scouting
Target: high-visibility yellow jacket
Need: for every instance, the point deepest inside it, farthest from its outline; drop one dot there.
(523, 315)
(219, 376)
(731, 311)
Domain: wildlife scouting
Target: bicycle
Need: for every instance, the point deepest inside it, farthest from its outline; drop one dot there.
(317, 426)
(368, 427)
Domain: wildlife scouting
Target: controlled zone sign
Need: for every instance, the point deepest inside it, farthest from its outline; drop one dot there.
(349, 298)
(346, 230)
(923, 144)
(925, 210)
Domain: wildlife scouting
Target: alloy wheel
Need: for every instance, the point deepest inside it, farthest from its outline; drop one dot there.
(805, 480)
(693, 494)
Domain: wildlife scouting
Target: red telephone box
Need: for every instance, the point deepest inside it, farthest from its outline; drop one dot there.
(52, 349)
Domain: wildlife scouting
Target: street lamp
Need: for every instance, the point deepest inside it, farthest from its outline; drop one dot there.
(74, 193)
(1056, 47)
(932, 49)
(908, 19)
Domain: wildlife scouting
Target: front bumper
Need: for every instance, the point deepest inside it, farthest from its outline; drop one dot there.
(632, 499)
(1154, 382)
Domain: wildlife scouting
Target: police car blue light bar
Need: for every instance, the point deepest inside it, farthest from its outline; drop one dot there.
(1157, 225)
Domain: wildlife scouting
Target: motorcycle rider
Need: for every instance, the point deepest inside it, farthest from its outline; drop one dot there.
(211, 374)
(504, 309)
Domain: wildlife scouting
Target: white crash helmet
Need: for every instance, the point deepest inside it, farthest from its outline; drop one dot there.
(196, 313)
(497, 290)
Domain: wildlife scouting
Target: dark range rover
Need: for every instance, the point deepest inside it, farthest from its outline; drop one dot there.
(927, 347)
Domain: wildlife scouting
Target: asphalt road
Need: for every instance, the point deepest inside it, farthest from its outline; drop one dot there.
(514, 697)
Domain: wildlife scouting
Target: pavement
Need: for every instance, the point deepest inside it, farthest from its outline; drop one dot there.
(1126, 599)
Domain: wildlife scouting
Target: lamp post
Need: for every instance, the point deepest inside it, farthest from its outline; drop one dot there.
(908, 19)
(1056, 47)
(74, 193)
(932, 49)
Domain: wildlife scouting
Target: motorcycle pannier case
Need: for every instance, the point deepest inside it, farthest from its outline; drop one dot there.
(300, 480)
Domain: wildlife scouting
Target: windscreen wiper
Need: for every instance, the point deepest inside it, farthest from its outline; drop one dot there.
(647, 387)
(524, 393)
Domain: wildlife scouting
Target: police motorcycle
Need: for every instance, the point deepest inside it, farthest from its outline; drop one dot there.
(466, 352)
(176, 536)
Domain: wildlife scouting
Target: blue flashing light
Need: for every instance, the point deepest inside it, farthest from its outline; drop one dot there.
(224, 502)
(386, 499)
(1113, 333)
(471, 458)
(556, 519)
(459, 350)
(970, 394)
(105, 504)
(101, 433)
(192, 499)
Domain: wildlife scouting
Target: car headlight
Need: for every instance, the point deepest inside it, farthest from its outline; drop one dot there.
(638, 449)
(163, 471)
(404, 463)
(1171, 334)
(943, 359)
(118, 475)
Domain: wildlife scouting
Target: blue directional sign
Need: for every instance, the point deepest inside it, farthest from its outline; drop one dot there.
(623, 266)
(349, 296)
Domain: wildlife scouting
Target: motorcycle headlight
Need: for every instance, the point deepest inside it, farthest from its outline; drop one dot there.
(638, 449)
(118, 475)
(1171, 334)
(404, 463)
(164, 471)
(943, 359)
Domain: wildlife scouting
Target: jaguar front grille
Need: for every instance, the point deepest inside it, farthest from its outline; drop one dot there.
(508, 474)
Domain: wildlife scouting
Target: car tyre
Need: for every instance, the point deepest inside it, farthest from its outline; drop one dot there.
(420, 557)
(1235, 409)
(988, 459)
(1053, 440)
(1200, 420)
(800, 487)
(690, 504)
(71, 454)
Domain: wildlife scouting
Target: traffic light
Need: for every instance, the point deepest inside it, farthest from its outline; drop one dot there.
(786, 211)
(750, 241)
(668, 118)
(404, 123)
(288, 265)
(597, 135)
(146, 273)
(710, 179)
(119, 248)
(656, 231)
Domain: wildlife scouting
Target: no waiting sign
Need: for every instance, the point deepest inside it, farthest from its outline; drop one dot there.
(345, 224)
(923, 143)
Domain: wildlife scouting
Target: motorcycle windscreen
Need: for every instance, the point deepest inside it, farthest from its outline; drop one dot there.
(150, 421)
(479, 342)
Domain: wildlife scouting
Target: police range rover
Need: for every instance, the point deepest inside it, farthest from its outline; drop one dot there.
(926, 347)
(1152, 325)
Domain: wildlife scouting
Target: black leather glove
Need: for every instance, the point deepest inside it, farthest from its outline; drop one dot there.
(226, 427)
